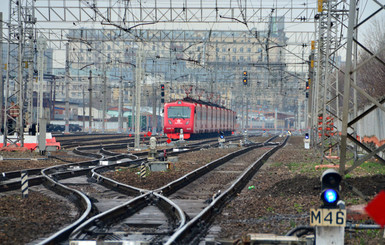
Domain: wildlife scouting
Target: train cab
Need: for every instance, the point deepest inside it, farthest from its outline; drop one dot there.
(179, 116)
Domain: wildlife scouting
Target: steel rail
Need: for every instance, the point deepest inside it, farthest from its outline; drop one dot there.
(197, 226)
(175, 185)
(8, 186)
(115, 185)
(123, 211)
(51, 176)
(90, 227)
(76, 196)
(36, 179)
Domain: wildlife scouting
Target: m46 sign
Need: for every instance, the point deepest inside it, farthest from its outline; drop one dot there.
(327, 217)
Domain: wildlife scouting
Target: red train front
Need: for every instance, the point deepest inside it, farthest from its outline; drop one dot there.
(196, 118)
(178, 116)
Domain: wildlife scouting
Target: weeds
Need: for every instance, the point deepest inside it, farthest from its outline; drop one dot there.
(298, 207)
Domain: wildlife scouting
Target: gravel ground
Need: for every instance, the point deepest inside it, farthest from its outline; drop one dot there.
(186, 163)
(31, 160)
(23, 220)
(281, 198)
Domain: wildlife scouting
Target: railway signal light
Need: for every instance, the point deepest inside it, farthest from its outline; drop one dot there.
(221, 139)
(244, 78)
(330, 187)
(221, 135)
(162, 93)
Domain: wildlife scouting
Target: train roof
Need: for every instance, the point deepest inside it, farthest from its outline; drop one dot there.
(191, 100)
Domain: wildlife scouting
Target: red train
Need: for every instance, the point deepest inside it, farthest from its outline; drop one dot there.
(196, 118)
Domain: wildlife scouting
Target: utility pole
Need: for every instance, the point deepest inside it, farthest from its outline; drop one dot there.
(19, 122)
(90, 103)
(84, 108)
(154, 97)
(169, 72)
(67, 82)
(247, 112)
(120, 102)
(347, 85)
(41, 47)
(104, 98)
(139, 77)
(1, 73)
(42, 123)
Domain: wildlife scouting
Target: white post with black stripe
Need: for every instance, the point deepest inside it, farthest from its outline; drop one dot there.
(143, 171)
(24, 183)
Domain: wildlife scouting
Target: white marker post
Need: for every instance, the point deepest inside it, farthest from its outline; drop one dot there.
(24, 183)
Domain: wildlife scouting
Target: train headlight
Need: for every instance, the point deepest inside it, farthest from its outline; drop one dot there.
(169, 122)
(188, 121)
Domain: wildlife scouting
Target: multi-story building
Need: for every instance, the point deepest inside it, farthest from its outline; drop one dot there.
(210, 61)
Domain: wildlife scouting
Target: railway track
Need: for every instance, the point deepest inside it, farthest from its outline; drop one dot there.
(85, 186)
(177, 212)
(11, 180)
(63, 180)
(73, 141)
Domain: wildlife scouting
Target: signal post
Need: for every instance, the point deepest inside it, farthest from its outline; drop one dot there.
(330, 219)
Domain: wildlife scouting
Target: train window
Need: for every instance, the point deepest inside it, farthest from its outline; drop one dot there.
(178, 112)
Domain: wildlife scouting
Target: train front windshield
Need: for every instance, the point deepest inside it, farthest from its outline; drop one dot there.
(179, 112)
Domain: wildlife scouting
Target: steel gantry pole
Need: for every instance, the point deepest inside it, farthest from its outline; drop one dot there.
(104, 106)
(67, 85)
(13, 103)
(120, 101)
(28, 59)
(348, 68)
(324, 103)
(41, 47)
(90, 103)
(1, 75)
(139, 76)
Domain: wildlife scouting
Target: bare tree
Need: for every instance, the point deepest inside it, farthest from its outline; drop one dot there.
(371, 77)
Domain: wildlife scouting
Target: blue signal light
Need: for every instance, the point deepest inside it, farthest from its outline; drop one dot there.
(330, 195)
(221, 135)
(306, 136)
